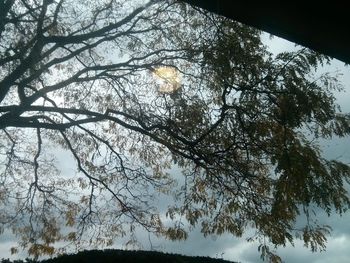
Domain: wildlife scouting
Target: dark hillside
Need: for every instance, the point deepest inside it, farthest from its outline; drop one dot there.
(122, 256)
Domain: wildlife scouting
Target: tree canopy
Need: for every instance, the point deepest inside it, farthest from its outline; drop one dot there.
(129, 90)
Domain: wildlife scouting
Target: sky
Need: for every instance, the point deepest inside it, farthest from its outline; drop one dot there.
(237, 249)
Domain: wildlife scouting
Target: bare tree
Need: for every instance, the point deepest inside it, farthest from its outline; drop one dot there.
(130, 89)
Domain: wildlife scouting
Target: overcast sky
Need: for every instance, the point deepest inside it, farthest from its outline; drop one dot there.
(237, 249)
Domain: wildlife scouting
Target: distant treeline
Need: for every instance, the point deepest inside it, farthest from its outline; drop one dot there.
(114, 256)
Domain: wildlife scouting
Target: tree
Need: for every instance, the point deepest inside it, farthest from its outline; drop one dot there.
(130, 90)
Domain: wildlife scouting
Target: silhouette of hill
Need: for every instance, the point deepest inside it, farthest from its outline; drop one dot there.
(123, 256)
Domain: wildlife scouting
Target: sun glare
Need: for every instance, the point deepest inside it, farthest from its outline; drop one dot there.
(168, 78)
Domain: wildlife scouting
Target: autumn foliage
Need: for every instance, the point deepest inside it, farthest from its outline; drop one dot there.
(239, 124)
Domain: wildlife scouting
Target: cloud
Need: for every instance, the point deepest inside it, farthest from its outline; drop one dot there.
(337, 251)
(7, 241)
